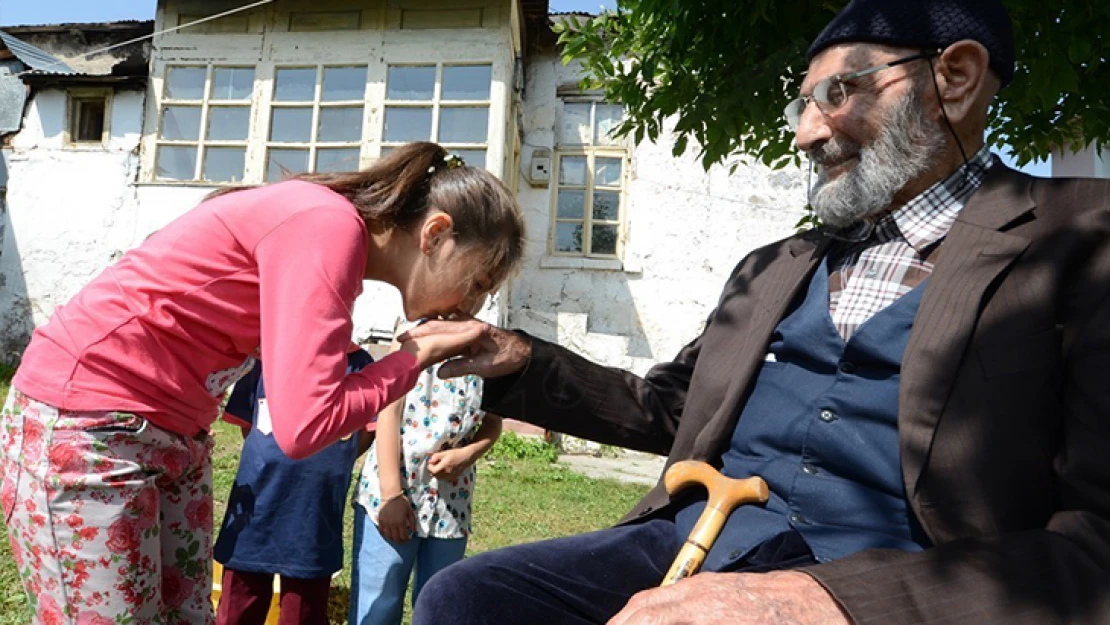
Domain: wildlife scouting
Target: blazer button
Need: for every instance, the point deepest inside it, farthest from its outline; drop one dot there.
(797, 519)
(828, 416)
(847, 368)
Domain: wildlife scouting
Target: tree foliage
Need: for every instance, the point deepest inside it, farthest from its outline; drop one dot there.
(724, 69)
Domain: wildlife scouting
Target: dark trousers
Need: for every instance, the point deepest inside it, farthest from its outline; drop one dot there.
(565, 581)
(245, 599)
(577, 580)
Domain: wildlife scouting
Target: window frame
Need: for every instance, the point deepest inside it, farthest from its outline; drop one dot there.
(591, 151)
(437, 103)
(202, 142)
(74, 97)
(268, 105)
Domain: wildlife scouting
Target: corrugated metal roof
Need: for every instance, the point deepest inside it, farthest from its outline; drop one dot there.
(34, 58)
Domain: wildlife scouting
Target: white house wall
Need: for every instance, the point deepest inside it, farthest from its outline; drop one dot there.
(687, 229)
(70, 211)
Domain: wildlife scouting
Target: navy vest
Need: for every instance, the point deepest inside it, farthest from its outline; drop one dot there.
(821, 427)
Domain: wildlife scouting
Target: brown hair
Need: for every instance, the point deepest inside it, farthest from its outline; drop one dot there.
(398, 190)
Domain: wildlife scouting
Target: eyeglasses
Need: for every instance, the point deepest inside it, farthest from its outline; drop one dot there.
(831, 93)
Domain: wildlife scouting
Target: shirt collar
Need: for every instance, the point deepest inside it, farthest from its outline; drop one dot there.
(927, 218)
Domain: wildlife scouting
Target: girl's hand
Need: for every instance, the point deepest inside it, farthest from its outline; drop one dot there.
(396, 520)
(485, 350)
(448, 465)
(451, 340)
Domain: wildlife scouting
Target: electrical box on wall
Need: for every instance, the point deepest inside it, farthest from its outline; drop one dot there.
(539, 167)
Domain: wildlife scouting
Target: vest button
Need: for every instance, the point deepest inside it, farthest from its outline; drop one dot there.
(828, 416)
(847, 368)
(809, 469)
(797, 519)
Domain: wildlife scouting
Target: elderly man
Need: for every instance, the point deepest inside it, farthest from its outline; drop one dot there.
(921, 382)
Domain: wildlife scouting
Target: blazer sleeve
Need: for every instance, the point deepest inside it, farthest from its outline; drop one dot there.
(1052, 576)
(562, 391)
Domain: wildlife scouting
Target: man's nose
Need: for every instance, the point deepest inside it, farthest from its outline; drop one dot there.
(813, 128)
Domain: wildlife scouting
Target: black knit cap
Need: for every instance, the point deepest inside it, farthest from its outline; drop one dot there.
(925, 24)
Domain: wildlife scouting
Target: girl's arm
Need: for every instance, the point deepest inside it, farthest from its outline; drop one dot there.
(449, 464)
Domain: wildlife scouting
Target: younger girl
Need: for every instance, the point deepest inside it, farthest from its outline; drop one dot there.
(106, 457)
(412, 505)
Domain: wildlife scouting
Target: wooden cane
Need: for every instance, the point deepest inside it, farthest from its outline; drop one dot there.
(725, 494)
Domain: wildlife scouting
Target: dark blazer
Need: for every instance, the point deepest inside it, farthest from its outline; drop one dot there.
(1004, 409)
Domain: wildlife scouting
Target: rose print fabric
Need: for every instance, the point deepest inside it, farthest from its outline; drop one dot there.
(438, 414)
(109, 516)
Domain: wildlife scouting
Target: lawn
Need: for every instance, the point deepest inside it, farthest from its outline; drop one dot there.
(513, 504)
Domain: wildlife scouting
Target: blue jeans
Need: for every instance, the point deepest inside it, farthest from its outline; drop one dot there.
(380, 570)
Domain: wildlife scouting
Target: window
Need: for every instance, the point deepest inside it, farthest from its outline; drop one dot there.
(449, 104)
(238, 123)
(316, 120)
(204, 123)
(87, 117)
(590, 173)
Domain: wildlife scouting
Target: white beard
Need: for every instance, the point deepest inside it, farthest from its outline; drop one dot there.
(909, 145)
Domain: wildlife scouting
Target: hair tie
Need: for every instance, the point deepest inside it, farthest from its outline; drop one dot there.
(452, 161)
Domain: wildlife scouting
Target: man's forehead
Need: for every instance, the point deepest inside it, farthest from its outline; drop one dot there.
(848, 57)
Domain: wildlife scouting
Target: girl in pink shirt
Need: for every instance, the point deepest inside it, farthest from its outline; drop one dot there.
(106, 457)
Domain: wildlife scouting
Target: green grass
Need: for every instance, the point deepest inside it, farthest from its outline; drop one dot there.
(513, 504)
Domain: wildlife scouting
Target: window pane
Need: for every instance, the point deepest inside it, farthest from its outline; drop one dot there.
(295, 85)
(181, 123)
(337, 159)
(228, 123)
(572, 204)
(407, 124)
(175, 162)
(232, 83)
(473, 158)
(224, 164)
(463, 125)
(411, 83)
(340, 124)
(576, 123)
(607, 205)
(572, 170)
(603, 240)
(185, 83)
(344, 83)
(606, 119)
(568, 237)
(290, 125)
(282, 163)
(607, 172)
(466, 82)
(89, 122)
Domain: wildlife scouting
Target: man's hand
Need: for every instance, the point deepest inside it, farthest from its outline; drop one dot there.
(490, 352)
(449, 464)
(396, 520)
(779, 598)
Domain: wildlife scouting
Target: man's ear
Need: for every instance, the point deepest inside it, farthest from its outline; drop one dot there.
(963, 77)
(437, 226)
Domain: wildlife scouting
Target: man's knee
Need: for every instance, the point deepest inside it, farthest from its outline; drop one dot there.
(461, 593)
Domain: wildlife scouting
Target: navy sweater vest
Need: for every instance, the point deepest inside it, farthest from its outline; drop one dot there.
(821, 427)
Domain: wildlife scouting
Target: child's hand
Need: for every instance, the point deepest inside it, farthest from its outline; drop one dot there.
(396, 520)
(449, 464)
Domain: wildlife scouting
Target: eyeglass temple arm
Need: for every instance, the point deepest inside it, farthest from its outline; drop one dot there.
(878, 68)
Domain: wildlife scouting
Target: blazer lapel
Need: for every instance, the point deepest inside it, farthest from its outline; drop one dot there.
(973, 255)
(779, 285)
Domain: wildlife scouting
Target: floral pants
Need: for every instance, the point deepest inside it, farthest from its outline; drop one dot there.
(109, 516)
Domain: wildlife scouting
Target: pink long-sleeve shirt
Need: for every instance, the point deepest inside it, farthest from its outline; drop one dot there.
(270, 272)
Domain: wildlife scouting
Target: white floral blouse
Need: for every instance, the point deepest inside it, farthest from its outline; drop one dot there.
(438, 414)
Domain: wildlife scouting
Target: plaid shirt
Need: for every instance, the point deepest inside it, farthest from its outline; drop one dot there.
(876, 262)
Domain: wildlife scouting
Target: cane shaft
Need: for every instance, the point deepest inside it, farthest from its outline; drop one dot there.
(693, 552)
